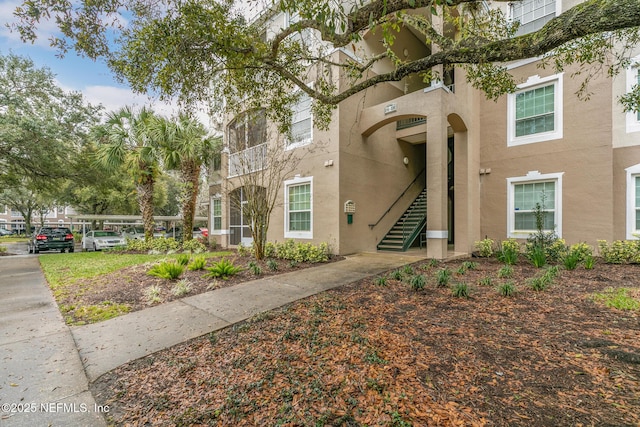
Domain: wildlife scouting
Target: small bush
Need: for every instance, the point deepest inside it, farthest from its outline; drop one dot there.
(507, 289)
(194, 246)
(162, 244)
(272, 264)
(470, 265)
(443, 277)
(485, 247)
(508, 252)
(153, 294)
(542, 282)
(620, 298)
(620, 251)
(408, 270)
(589, 262)
(537, 255)
(380, 281)
(183, 259)
(433, 262)
(167, 270)
(396, 275)
(505, 272)
(582, 251)
(485, 281)
(460, 290)
(570, 261)
(293, 263)
(255, 268)
(245, 250)
(198, 263)
(556, 250)
(223, 269)
(183, 287)
(417, 282)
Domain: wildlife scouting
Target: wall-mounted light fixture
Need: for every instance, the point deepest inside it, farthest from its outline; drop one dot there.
(405, 160)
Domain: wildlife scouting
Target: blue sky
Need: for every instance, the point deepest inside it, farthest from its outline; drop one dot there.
(73, 72)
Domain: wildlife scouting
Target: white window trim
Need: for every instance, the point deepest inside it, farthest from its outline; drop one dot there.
(213, 231)
(632, 173)
(533, 176)
(558, 12)
(633, 124)
(532, 83)
(288, 144)
(297, 180)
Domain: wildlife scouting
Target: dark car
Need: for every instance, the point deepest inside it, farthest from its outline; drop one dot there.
(51, 238)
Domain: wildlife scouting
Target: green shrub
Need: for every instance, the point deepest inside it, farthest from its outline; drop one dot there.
(417, 282)
(543, 281)
(162, 244)
(556, 251)
(183, 259)
(589, 262)
(582, 251)
(408, 270)
(194, 246)
(293, 263)
(485, 281)
(272, 264)
(380, 281)
(508, 252)
(222, 269)
(166, 270)
(570, 261)
(198, 263)
(396, 275)
(245, 250)
(507, 289)
(620, 251)
(443, 277)
(485, 247)
(460, 290)
(255, 268)
(536, 255)
(138, 245)
(3, 248)
(300, 252)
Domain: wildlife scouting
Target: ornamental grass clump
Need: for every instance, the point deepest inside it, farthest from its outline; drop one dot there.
(198, 263)
(460, 290)
(417, 282)
(443, 277)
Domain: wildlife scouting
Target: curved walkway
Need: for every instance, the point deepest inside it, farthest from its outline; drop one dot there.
(47, 366)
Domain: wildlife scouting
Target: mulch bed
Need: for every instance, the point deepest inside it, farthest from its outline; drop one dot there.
(365, 354)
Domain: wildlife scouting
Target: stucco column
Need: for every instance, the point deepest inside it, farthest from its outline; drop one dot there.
(437, 158)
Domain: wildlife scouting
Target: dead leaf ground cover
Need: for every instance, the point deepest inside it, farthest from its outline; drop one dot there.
(387, 355)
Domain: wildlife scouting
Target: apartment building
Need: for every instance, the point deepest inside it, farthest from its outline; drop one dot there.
(13, 220)
(437, 167)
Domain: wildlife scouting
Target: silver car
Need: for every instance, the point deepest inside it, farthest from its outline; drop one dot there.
(102, 239)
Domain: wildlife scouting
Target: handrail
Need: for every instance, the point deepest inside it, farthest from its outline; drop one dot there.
(371, 226)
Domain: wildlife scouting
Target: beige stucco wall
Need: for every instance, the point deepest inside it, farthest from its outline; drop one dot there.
(584, 155)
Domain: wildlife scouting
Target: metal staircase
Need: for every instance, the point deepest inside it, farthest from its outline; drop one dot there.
(408, 227)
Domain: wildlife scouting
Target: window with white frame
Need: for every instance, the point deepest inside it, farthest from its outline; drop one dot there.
(532, 14)
(633, 202)
(216, 214)
(301, 122)
(299, 208)
(633, 79)
(524, 194)
(534, 112)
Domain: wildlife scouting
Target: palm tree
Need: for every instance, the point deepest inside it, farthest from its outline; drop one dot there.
(126, 139)
(186, 146)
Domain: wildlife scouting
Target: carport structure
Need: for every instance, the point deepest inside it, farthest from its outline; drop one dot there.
(124, 220)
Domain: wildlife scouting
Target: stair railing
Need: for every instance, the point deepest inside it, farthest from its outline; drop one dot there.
(371, 226)
(408, 232)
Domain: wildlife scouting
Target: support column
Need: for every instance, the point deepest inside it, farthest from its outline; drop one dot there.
(437, 157)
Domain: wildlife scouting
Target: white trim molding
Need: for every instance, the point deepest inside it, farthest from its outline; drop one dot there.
(632, 173)
(298, 180)
(533, 177)
(632, 117)
(535, 82)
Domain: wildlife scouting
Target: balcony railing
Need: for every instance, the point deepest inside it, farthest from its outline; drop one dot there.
(247, 161)
(407, 123)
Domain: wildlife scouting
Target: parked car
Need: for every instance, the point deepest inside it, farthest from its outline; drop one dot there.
(102, 239)
(51, 238)
(137, 233)
(5, 232)
(196, 233)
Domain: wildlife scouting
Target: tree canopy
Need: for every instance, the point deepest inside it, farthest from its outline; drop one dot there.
(194, 49)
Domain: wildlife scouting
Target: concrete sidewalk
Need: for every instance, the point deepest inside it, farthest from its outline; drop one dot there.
(47, 367)
(106, 345)
(43, 382)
